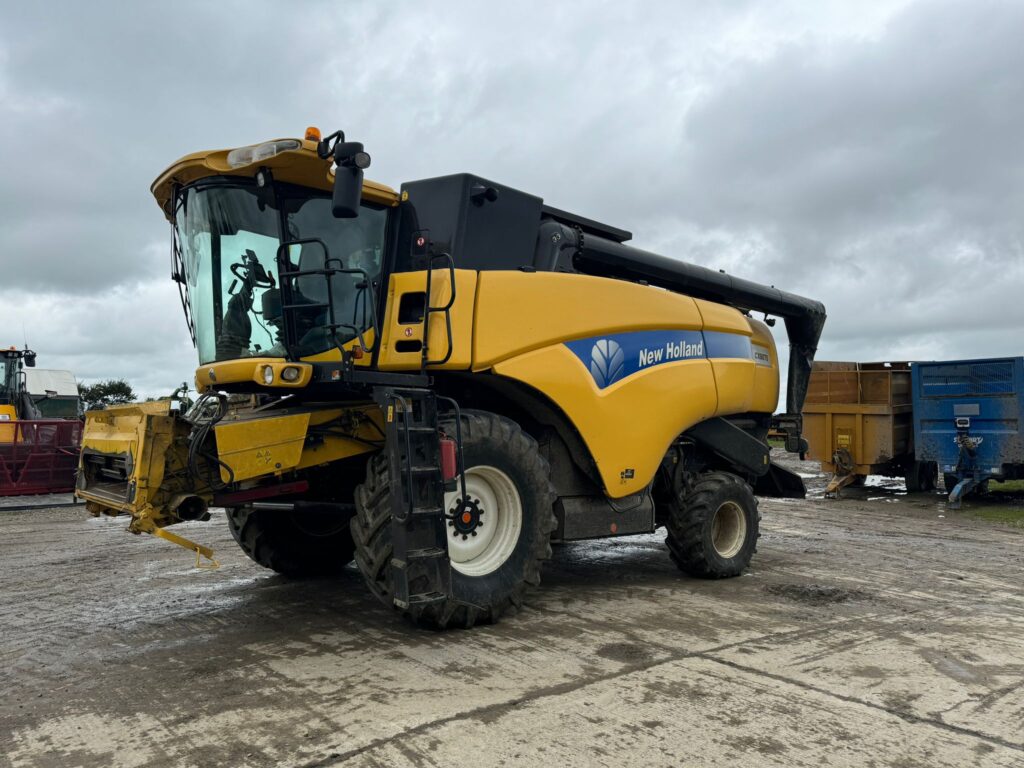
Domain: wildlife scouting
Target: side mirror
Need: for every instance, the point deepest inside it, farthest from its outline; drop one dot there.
(30, 359)
(350, 160)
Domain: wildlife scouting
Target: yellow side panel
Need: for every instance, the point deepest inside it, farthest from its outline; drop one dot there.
(735, 377)
(735, 380)
(521, 311)
(368, 431)
(7, 430)
(743, 384)
(261, 446)
(629, 425)
(719, 317)
(396, 334)
(766, 369)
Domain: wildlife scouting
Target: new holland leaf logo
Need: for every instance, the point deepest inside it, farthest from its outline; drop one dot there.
(607, 362)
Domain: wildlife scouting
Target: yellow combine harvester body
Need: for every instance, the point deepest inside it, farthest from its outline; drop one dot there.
(338, 322)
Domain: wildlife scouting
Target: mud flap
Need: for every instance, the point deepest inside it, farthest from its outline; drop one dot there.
(778, 482)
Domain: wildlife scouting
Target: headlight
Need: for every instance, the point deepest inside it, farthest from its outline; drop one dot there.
(257, 152)
(290, 373)
(268, 375)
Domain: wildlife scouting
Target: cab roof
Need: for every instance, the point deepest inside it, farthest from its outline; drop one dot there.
(300, 166)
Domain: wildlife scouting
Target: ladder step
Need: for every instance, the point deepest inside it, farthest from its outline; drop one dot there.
(427, 553)
(415, 555)
(413, 428)
(428, 512)
(427, 598)
(422, 470)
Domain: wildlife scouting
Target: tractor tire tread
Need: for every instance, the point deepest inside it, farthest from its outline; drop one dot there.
(286, 550)
(371, 527)
(688, 517)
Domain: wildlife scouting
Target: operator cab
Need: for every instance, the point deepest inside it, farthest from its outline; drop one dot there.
(268, 271)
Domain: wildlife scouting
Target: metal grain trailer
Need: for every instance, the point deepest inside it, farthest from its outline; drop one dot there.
(967, 418)
(858, 421)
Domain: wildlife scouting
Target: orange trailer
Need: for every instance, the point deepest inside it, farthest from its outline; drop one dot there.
(858, 421)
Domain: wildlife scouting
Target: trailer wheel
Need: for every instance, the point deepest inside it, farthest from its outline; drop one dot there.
(510, 481)
(713, 528)
(298, 544)
(921, 476)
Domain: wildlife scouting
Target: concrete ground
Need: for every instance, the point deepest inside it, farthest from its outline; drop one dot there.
(875, 630)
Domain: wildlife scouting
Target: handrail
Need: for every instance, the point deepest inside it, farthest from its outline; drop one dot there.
(287, 276)
(428, 310)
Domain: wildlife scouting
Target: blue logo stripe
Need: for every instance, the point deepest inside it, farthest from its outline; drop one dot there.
(618, 356)
(727, 345)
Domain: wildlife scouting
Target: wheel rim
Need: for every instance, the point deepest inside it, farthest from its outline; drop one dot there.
(728, 529)
(500, 508)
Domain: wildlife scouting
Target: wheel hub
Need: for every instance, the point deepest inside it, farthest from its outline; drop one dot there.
(484, 528)
(465, 517)
(728, 529)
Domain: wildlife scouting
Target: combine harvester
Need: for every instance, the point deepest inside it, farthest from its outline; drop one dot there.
(439, 382)
(37, 455)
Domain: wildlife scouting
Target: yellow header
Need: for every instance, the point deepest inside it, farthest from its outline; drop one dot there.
(300, 166)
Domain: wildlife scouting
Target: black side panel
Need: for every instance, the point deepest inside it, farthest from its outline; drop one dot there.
(482, 224)
(594, 517)
(780, 483)
(739, 448)
(588, 226)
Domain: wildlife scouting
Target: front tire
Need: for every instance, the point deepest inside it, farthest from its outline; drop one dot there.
(713, 527)
(297, 544)
(506, 478)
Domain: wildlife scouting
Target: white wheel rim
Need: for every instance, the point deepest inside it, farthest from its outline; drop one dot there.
(501, 522)
(728, 529)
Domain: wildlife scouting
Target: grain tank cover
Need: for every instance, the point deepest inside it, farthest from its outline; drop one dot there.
(482, 224)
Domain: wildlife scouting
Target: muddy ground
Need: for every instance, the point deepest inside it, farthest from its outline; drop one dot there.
(876, 630)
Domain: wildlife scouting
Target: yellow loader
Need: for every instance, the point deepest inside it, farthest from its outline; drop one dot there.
(439, 382)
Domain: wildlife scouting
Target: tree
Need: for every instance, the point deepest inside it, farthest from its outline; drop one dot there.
(103, 393)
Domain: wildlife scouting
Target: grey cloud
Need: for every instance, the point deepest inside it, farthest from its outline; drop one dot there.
(866, 156)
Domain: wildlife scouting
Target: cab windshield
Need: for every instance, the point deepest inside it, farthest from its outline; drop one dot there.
(227, 239)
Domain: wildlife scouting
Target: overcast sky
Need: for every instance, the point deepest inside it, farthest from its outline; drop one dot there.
(867, 155)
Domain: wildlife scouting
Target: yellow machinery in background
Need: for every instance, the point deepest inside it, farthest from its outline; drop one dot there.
(858, 421)
(437, 382)
(37, 455)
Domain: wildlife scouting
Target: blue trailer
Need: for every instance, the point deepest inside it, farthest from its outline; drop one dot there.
(968, 419)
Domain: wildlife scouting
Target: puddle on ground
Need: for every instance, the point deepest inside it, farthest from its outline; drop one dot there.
(815, 594)
(627, 653)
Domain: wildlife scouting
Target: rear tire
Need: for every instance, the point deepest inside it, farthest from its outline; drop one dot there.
(298, 544)
(713, 529)
(921, 476)
(487, 583)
